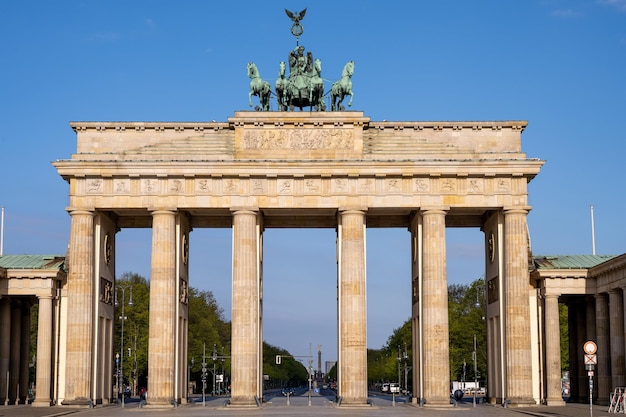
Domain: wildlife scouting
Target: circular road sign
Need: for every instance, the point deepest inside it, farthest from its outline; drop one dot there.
(590, 347)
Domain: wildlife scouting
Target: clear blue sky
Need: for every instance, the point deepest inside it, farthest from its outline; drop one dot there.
(560, 65)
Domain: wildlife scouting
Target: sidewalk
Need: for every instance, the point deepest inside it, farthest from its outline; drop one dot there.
(299, 407)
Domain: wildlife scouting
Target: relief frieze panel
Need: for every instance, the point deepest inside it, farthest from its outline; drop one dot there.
(285, 186)
(94, 186)
(298, 139)
(475, 185)
(149, 186)
(175, 185)
(448, 185)
(121, 186)
(367, 186)
(421, 185)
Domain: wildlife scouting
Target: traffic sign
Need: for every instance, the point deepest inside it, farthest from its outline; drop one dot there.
(591, 359)
(590, 347)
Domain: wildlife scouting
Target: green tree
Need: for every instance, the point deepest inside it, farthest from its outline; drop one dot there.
(466, 320)
(136, 335)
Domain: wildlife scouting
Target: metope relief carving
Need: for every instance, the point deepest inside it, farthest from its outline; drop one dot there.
(421, 185)
(304, 139)
(257, 186)
(94, 186)
(285, 186)
(121, 186)
(366, 185)
(503, 185)
(203, 186)
(175, 186)
(312, 185)
(475, 185)
(231, 186)
(149, 186)
(393, 185)
(340, 185)
(448, 185)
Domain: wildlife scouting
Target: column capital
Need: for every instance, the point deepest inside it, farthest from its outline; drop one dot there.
(244, 209)
(352, 210)
(76, 211)
(434, 210)
(516, 210)
(162, 210)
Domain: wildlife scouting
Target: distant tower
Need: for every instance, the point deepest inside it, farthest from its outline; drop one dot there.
(319, 359)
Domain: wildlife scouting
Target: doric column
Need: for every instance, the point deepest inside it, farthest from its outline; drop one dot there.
(603, 341)
(616, 320)
(434, 306)
(25, 353)
(352, 309)
(44, 353)
(517, 309)
(162, 334)
(574, 348)
(246, 332)
(5, 346)
(80, 306)
(16, 342)
(553, 351)
(588, 317)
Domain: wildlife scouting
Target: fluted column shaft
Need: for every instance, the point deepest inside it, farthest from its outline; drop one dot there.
(603, 342)
(588, 317)
(246, 336)
(5, 346)
(517, 314)
(616, 319)
(44, 353)
(574, 330)
(16, 342)
(553, 350)
(162, 334)
(25, 351)
(352, 309)
(80, 302)
(435, 335)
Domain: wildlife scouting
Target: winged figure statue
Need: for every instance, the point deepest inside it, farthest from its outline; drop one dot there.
(296, 16)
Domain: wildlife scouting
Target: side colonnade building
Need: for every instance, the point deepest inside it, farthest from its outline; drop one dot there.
(336, 170)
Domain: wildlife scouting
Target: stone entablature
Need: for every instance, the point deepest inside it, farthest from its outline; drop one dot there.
(299, 160)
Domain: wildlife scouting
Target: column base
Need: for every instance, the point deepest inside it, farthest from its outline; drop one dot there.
(78, 402)
(160, 403)
(42, 403)
(555, 401)
(519, 402)
(243, 402)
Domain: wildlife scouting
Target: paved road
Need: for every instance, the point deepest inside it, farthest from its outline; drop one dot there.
(299, 406)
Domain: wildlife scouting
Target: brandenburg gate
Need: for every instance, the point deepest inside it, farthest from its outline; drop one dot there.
(281, 169)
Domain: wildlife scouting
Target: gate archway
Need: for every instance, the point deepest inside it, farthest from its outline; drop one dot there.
(262, 170)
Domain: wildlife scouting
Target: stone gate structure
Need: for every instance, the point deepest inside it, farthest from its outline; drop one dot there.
(262, 170)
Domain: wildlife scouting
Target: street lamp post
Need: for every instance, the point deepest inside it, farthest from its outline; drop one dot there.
(203, 375)
(123, 317)
(214, 361)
